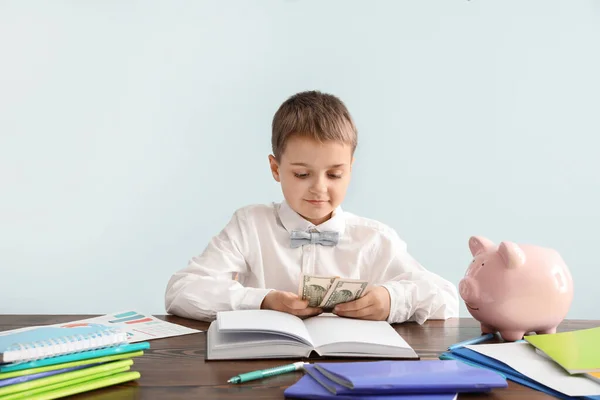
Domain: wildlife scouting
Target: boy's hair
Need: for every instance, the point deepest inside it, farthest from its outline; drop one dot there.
(319, 116)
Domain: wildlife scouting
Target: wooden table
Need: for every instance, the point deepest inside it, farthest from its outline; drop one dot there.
(175, 368)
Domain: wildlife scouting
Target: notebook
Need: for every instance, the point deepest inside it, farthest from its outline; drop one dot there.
(126, 349)
(252, 334)
(593, 375)
(308, 387)
(477, 359)
(576, 351)
(67, 378)
(85, 362)
(523, 358)
(77, 385)
(31, 377)
(428, 376)
(44, 341)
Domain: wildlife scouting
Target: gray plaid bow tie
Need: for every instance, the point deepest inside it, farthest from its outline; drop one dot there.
(327, 238)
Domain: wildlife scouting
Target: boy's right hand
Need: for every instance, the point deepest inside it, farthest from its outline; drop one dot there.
(290, 303)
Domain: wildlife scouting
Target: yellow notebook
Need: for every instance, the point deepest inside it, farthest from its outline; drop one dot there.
(594, 375)
(576, 351)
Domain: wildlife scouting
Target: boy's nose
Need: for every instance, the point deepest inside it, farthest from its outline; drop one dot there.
(319, 187)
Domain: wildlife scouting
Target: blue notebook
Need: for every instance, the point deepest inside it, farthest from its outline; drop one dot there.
(50, 341)
(308, 387)
(473, 357)
(425, 376)
(85, 355)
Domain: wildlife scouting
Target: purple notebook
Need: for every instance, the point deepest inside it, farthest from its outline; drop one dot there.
(425, 376)
(308, 387)
(26, 378)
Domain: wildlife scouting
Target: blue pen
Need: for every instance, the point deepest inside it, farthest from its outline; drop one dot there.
(476, 340)
(264, 373)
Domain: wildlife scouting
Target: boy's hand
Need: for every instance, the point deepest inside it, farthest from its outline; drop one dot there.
(290, 303)
(374, 305)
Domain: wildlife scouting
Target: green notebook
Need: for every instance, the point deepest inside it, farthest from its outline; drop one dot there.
(27, 394)
(85, 386)
(98, 360)
(64, 377)
(576, 351)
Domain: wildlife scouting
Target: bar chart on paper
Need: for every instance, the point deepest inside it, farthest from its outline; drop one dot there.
(139, 326)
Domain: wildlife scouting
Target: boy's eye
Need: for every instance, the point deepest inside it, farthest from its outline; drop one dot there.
(300, 175)
(334, 176)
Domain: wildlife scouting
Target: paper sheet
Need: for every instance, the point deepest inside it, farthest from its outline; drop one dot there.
(139, 326)
(523, 358)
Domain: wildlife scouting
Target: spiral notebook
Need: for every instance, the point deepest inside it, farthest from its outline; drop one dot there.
(46, 341)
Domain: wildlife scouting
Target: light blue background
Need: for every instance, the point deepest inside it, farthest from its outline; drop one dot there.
(131, 131)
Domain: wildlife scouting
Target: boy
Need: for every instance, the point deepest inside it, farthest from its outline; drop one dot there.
(256, 261)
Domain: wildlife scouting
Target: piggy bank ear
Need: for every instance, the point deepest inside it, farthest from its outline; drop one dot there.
(511, 254)
(479, 244)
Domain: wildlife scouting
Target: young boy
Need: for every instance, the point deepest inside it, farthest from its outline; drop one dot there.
(256, 261)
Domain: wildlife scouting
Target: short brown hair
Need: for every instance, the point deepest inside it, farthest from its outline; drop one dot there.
(319, 116)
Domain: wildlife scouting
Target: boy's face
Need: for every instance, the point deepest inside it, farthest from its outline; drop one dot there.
(314, 176)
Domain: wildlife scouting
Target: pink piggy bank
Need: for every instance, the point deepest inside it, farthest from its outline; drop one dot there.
(516, 289)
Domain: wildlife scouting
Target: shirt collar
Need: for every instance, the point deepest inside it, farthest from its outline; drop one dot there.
(291, 220)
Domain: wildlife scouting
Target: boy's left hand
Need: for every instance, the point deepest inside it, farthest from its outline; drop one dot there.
(374, 305)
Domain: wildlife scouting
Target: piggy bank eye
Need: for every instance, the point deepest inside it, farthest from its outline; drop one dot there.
(482, 264)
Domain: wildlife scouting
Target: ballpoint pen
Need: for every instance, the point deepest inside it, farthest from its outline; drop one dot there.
(264, 373)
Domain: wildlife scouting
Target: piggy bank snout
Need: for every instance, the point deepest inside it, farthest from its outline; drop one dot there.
(469, 290)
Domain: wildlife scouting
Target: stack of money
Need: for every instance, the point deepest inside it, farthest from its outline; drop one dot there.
(327, 291)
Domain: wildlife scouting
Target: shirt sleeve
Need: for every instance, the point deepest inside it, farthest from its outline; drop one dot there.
(208, 284)
(416, 294)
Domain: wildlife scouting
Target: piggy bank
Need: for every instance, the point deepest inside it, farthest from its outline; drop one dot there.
(516, 289)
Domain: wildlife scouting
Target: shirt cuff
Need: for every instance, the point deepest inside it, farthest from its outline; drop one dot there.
(399, 307)
(249, 298)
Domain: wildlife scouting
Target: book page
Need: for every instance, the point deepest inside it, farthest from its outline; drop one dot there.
(329, 328)
(523, 358)
(264, 321)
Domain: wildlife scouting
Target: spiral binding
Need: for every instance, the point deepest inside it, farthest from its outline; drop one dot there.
(70, 344)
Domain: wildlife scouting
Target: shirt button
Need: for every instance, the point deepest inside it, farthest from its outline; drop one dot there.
(308, 248)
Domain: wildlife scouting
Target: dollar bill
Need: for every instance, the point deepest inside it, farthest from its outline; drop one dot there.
(313, 288)
(342, 291)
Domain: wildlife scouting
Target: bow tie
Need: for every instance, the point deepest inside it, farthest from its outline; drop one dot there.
(327, 238)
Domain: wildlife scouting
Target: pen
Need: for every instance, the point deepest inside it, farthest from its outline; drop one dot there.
(476, 340)
(264, 373)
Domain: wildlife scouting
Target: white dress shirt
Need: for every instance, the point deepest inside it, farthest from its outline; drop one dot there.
(252, 255)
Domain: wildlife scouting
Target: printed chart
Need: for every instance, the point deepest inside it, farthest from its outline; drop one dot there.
(139, 326)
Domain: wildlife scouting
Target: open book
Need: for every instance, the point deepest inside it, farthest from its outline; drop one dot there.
(251, 334)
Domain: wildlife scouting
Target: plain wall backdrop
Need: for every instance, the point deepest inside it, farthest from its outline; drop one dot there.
(130, 131)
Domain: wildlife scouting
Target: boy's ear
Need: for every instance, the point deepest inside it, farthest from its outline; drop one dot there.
(274, 167)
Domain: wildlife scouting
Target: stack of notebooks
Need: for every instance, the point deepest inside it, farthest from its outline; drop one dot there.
(565, 365)
(390, 380)
(49, 362)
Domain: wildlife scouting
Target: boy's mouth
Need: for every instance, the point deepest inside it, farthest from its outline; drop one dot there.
(317, 202)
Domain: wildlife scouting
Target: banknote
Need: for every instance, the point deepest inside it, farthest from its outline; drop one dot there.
(313, 288)
(342, 291)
